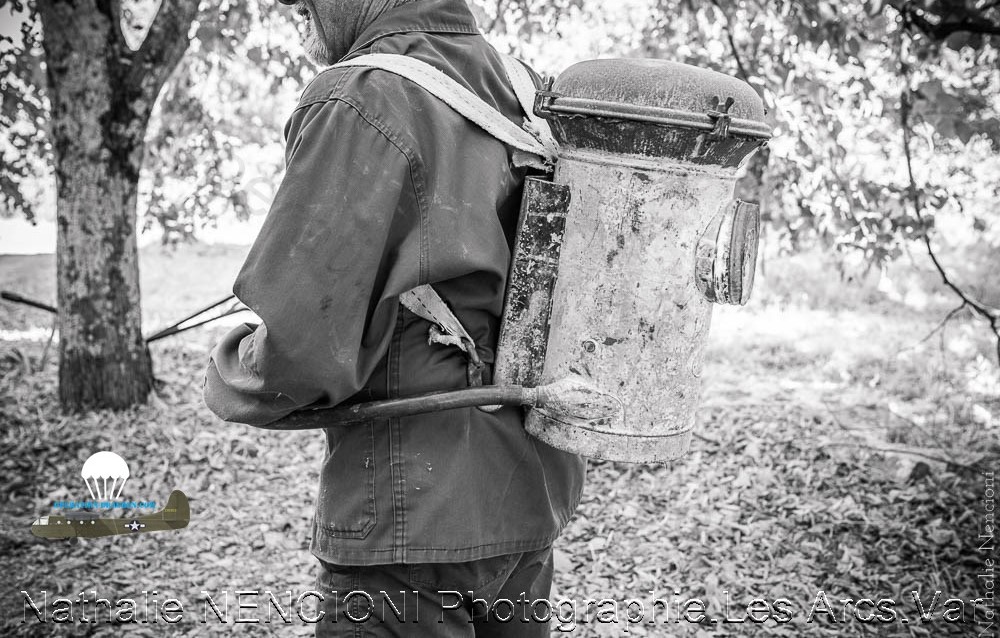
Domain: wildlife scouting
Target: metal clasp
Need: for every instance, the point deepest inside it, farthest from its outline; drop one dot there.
(719, 114)
(544, 98)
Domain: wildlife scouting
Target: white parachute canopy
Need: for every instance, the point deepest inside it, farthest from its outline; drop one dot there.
(101, 468)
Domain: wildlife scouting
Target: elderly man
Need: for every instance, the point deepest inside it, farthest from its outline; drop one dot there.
(386, 189)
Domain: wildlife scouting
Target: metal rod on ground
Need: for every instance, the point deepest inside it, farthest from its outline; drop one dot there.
(16, 298)
(48, 343)
(172, 329)
(169, 331)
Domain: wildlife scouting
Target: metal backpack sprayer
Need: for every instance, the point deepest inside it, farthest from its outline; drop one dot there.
(618, 258)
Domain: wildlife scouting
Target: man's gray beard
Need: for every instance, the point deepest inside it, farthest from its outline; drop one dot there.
(316, 51)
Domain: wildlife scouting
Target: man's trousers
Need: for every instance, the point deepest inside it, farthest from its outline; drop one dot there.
(499, 597)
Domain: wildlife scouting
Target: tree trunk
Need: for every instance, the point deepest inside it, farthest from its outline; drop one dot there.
(103, 361)
(101, 96)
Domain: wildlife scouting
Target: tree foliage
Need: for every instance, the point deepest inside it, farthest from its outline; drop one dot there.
(224, 101)
(842, 81)
(23, 114)
(832, 74)
(221, 100)
(886, 113)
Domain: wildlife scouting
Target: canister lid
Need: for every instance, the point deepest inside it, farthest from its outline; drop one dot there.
(623, 105)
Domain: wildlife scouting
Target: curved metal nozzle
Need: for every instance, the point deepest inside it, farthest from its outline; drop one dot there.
(576, 398)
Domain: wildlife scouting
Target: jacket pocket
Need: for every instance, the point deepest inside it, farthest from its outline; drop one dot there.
(346, 504)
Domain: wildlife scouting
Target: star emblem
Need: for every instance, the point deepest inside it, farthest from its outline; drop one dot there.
(135, 526)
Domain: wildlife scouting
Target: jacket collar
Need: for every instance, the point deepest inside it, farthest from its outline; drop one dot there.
(430, 16)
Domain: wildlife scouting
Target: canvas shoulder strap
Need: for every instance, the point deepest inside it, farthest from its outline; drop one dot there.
(534, 139)
(524, 87)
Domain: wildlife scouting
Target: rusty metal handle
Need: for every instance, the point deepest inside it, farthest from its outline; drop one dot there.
(409, 406)
(572, 397)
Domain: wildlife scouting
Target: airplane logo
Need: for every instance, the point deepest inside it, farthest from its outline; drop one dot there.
(175, 515)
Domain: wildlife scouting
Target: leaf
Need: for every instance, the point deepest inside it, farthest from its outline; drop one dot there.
(957, 40)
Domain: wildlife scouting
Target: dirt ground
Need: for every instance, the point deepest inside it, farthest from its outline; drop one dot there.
(844, 452)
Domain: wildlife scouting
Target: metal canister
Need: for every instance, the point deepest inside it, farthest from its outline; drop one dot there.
(648, 239)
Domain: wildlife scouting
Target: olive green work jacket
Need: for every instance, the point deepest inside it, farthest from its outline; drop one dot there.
(387, 188)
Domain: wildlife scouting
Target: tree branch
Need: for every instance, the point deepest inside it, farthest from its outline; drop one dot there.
(113, 10)
(982, 27)
(991, 315)
(163, 47)
(914, 15)
(498, 20)
(944, 322)
(742, 70)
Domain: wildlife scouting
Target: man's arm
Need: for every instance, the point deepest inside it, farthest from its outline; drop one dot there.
(340, 243)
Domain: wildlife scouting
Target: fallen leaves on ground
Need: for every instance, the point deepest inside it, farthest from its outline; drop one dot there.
(799, 482)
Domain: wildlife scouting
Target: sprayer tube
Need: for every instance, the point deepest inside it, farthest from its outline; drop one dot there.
(423, 404)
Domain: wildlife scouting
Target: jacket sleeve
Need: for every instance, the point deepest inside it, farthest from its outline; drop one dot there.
(339, 245)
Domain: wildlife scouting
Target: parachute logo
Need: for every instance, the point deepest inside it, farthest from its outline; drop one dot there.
(105, 474)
